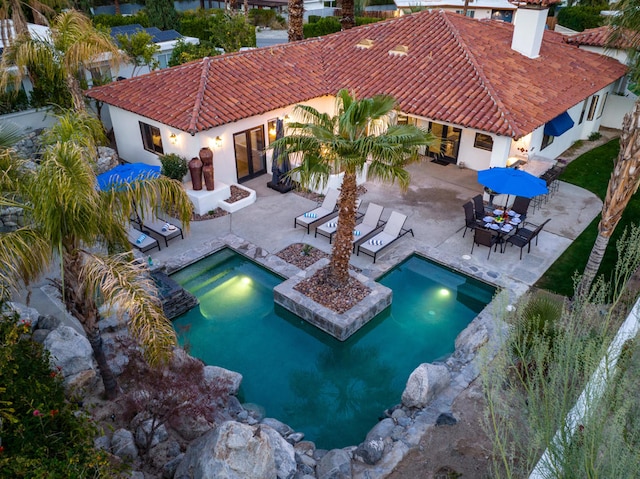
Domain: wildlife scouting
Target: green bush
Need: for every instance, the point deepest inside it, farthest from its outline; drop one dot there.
(580, 18)
(596, 135)
(174, 166)
(327, 25)
(314, 18)
(13, 101)
(229, 32)
(42, 433)
(109, 21)
(261, 17)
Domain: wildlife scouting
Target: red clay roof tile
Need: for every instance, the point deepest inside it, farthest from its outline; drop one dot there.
(456, 70)
(604, 37)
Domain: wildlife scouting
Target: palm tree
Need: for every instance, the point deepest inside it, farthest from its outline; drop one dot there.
(12, 15)
(67, 219)
(74, 46)
(625, 177)
(296, 16)
(348, 19)
(624, 182)
(359, 134)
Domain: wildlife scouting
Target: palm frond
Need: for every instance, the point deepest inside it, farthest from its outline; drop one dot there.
(10, 134)
(24, 255)
(127, 287)
(79, 127)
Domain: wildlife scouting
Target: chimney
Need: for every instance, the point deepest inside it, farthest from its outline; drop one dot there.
(531, 18)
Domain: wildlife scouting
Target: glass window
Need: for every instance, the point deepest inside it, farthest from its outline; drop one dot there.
(602, 104)
(406, 120)
(484, 142)
(163, 60)
(271, 129)
(546, 141)
(592, 108)
(584, 109)
(151, 138)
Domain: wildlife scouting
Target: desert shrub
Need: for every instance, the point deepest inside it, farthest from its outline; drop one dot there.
(185, 52)
(13, 101)
(261, 17)
(326, 25)
(174, 166)
(596, 135)
(42, 434)
(229, 32)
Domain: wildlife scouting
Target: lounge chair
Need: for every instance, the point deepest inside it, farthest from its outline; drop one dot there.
(329, 228)
(141, 240)
(166, 230)
(327, 210)
(393, 230)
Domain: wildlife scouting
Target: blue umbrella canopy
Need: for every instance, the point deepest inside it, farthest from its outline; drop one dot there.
(509, 181)
(127, 173)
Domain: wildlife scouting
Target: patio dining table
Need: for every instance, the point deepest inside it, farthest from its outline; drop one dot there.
(504, 224)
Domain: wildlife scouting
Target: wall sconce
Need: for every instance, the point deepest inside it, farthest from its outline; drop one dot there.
(286, 119)
(173, 138)
(217, 142)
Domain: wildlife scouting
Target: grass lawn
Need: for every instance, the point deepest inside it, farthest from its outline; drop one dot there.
(591, 171)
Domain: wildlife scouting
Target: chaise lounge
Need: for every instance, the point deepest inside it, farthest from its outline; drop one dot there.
(327, 210)
(329, 229)
(141, 240)
(166, 230)
(393, 230)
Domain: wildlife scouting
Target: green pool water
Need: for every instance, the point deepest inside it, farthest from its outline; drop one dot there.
(332, 391)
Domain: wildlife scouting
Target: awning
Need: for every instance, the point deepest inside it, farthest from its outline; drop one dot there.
(559, 125)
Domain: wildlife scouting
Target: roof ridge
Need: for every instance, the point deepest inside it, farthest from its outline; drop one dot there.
(484, 81)
(197, 106)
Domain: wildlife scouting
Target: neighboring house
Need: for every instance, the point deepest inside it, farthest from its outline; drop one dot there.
(478, 9)
(490, 91)
(165, 39)
(599, 40)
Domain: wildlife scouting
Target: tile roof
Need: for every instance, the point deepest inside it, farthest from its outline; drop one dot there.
(455, 69)
(600, 37)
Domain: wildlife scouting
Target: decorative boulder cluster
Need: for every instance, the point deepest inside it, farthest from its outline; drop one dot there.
(240, 442)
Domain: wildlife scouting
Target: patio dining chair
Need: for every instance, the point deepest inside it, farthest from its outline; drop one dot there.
(482, 237)
(531, 231)
(470, 221)
(525, 236)
(478, 206)
(521, 206)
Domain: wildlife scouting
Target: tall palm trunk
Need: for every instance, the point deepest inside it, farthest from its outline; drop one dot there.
(296, 17)
(83, 307)
(246, 9)
(624, 182)
(341, 253)
(116, 4)
(348, 19)
(76, 92)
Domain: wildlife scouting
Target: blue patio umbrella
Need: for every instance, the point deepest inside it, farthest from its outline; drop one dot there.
(127, 173)
(509, 181)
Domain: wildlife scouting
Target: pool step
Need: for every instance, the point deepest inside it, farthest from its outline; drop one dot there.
(175, 299)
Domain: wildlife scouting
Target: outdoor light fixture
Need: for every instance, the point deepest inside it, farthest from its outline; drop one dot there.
(286, 119)
(217, 142)
(173, 138)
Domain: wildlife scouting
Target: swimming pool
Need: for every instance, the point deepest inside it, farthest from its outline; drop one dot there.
(332, 391)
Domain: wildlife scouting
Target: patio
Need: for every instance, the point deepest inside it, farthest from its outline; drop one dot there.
(433, 205)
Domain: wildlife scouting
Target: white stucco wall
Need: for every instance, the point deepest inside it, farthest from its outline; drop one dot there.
(30, 120)
(131, 149)
(614, 111)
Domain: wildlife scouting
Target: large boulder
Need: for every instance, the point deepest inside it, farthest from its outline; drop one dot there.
(424, 384)
(190, 426)
(283, 452)
(123, 444)
(336, 464)
(107, 160)
(72, 354)
(149, 434)
(370, 451)
(231, 451)
(25, 313)
(222, 379)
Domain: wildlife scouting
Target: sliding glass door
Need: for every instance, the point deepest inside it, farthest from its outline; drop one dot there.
(249, 150)
(447, 142)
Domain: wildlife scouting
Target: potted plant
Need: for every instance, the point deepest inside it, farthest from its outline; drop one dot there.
(174, 166)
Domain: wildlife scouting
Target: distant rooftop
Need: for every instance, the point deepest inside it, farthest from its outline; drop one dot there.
(157, 35)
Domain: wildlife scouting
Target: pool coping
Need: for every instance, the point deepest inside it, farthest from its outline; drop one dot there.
(475, 345)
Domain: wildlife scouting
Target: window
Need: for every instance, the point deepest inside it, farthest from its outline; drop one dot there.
(151, 138)
(484, 142)
(546, 141)
(592, 108)
(602, 104)
(502, 15)
(163, 60)
(250, 157)
(584, 108)
(272, 130)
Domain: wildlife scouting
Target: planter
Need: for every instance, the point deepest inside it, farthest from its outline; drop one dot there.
(195, 169)
(206, 156)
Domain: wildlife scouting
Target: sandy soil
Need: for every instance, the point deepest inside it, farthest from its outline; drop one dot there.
(448, 452)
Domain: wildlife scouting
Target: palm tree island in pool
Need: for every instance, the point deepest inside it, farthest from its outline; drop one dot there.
(362, 134)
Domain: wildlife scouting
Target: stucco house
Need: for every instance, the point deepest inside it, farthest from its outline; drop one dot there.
(492, 92)
(479, 9)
